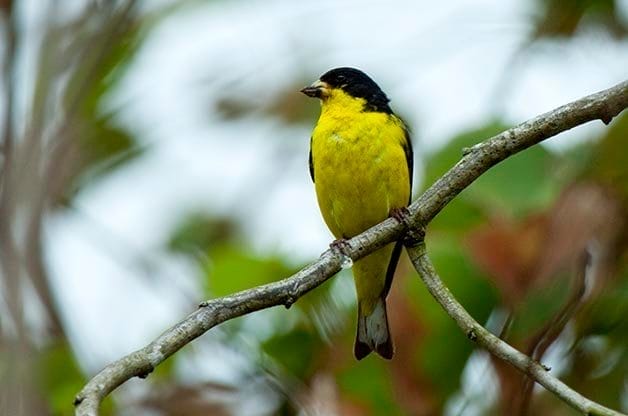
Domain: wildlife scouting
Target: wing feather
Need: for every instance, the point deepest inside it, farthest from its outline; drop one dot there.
(310, 162)
(394, 258)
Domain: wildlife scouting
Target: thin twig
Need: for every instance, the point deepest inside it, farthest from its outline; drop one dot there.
(480, 335)
(550, 332)
(603, 106)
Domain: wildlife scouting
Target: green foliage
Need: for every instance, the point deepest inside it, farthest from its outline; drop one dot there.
(227, 264)
(369, 385)
(102, 145)
(60, 379)
(564, 18)
(231, 269)
(519, 185)
(609, 163)
(538, 307)
(199, 233)
(295, 350)
(462, 213)
(606, 315)
(442, 160)
(458, 217)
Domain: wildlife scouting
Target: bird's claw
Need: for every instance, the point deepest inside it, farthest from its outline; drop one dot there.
(340, 246)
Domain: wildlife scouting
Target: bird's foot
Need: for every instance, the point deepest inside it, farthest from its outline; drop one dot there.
(341, 247)
(401, 215)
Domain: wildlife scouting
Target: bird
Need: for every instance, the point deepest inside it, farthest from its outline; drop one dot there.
(361, 164)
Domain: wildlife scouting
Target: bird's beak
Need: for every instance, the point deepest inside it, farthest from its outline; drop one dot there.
(318, 89)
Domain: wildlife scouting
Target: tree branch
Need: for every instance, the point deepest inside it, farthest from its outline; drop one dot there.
(603, 106)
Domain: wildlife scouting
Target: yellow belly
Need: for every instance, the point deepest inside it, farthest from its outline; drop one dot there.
(360, 174)
(360, 171)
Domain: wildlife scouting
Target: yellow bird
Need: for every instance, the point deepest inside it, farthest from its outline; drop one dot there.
(361, 166)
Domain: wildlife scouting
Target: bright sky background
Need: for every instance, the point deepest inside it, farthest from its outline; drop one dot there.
(445, 66)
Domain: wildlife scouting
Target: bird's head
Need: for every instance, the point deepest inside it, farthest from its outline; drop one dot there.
(343, 84)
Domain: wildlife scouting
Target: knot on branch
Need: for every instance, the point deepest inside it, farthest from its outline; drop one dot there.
(292, 295)
(472, 335)
(290, 300)
(466, 151)
(145, 371)
(414, 237)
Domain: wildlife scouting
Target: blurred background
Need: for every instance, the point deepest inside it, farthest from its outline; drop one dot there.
(154, 154)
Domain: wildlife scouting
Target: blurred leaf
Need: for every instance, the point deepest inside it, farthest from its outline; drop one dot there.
(199, 233)
(368, 383)
(108, 44)
(295, 350)
(164, 372)
(232, 269)
(516, 186)
(461, 213)
(458, 217)
(564, 18)
(227, 263)
(192, 400)
(102, 148)
(609, 163)
(509, 252)
(599, 370)
(293, 107)
(538, 307)
(442, 160)
(519, 185)
(101, 49)
(230, 108)
(606, 314)
(60, 379)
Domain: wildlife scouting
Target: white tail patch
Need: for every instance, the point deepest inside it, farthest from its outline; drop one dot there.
(376, 326)
(373, 333)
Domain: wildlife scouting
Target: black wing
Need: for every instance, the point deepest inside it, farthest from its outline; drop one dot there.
(312, 164)
(407, 148)
(394, 259)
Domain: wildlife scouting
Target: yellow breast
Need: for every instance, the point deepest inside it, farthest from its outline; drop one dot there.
(360, 167)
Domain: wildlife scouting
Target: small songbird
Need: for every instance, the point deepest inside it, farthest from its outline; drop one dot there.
(361, 166)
